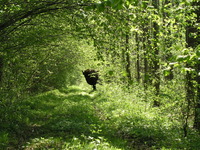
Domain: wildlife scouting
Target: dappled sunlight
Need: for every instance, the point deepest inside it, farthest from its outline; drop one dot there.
(74, 118)
(67, 118)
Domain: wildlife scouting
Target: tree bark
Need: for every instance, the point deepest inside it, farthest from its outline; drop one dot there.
(128, 61)
(1, 70)
(138, 76)
(156, 65)
(197, 104)
(197, 43)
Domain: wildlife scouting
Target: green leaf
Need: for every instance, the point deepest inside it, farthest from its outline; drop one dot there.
(189, 69)
(111, 72)
(124, 74)
(116, 4)
(166, 72)
(182, 58)
(133, 2)
(198, 53)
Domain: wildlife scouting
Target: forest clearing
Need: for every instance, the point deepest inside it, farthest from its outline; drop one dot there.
(100, 74)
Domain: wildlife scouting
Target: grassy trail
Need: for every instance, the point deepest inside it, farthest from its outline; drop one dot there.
(107, 119)
(67, 119)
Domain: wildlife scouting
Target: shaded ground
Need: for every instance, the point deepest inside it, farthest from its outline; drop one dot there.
(67, 119)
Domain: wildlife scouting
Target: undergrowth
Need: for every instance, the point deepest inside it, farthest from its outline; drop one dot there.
(110, 118)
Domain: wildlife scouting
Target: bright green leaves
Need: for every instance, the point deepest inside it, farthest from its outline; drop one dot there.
(183, 58)
(188, 61)
(190, 56)
(198, 51)
(115, 4)
(167, 71)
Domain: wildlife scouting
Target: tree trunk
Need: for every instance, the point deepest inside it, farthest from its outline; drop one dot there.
(191, 88)
(197, 104)
(137, 59)
(155, 60)
(128, 61)
(146, 43)
(197, 43)
(1, 69)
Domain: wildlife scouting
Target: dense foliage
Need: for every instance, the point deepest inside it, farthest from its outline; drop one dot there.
(147, 54)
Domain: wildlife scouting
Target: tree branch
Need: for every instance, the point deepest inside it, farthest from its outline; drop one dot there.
(39, 10)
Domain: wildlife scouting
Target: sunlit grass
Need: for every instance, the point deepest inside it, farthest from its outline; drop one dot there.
(68, 119)
(109, 118)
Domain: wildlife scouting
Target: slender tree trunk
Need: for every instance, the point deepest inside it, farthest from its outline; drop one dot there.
(128, 61)
(197, 105)
(190, 94)
(156, 65)
(167, 41)
(137, 59)
(197, 78)
(145, 42)
(127, 54)
(145, 70)
(1, 69)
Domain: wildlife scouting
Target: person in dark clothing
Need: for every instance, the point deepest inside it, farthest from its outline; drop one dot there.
(91, 77)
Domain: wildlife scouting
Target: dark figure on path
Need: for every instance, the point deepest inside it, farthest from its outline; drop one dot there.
(91, 77)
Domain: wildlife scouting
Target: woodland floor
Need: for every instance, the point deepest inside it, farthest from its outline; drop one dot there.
(78, 119)
(67, 119)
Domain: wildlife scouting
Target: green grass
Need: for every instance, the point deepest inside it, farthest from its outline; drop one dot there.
(75, 118)
(65, 119)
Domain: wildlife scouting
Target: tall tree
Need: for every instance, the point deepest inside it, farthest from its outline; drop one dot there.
(155, 58)
(127, 53)
(194, 41)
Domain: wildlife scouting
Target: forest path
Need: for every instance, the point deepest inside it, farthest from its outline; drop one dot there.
(67, 119)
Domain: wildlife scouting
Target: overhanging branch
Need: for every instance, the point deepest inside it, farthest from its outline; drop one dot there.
(39, 10)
